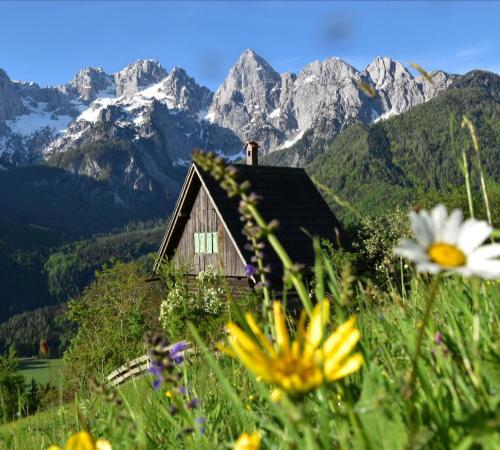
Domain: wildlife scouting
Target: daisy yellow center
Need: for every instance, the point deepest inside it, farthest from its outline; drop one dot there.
(446, 255)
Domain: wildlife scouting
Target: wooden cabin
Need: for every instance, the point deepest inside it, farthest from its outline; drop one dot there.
(205, 228)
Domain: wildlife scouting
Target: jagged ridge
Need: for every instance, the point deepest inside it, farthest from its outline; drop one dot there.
(164, 116)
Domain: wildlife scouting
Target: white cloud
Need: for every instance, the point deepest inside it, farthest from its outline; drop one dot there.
(471, 51)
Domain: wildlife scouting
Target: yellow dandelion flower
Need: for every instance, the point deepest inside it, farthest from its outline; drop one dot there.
(303, 364)
(248, 442)
(84, 441)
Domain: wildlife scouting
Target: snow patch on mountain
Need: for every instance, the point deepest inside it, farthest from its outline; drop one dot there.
(38, 117)
(289, 142)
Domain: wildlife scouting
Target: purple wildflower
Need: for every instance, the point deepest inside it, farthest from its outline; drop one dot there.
(182, 390)
(178, 347)
(250, 270)
(201, 421)
(176, 350)
(438, 338)
(193, 404)
(156, 370)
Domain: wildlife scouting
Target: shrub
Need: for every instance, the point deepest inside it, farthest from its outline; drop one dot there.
(377, 238)
(201, 300)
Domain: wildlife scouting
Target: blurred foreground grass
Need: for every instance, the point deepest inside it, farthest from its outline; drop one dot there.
(455, 403)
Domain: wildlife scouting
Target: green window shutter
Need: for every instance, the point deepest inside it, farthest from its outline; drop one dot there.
(208, 238)
(197, 242)
(215, 242)
(202, 242)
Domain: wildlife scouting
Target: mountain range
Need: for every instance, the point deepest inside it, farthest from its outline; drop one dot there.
(105, 150)
(136, 128)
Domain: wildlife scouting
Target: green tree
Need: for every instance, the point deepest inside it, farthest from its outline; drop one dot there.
(112, 316)
(11, 386)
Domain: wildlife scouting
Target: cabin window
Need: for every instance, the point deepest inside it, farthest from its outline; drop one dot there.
(215, 242)
(206, 243)
(197, 242)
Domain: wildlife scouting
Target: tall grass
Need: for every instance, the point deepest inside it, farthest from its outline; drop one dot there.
(455, 403)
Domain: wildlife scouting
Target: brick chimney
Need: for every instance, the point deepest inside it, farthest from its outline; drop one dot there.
(252, 151)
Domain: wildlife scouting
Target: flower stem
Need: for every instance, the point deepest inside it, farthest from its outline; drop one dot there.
(285, 259)
(418, 348)
(467, 184)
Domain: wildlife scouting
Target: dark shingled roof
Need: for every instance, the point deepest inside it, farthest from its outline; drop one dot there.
(288, 195)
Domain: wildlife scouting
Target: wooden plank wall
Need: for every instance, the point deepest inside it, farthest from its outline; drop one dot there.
(203, 219)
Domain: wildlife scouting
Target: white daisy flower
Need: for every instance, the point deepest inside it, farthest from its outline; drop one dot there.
(446, 243)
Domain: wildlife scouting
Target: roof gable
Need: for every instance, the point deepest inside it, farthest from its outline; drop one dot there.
(192, 184)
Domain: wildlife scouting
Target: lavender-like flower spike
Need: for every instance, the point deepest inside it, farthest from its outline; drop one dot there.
(178, 347)
(201, 421)
(175, 352)
(157, 371)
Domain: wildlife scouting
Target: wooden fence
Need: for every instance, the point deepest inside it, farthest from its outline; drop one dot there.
(133, 369)
(129, 370)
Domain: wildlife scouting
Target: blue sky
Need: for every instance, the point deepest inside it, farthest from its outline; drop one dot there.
(48, 42)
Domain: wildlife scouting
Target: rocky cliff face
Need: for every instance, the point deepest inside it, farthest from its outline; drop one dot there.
(10, 103)
(258, 103)
(137, 76)
(160, 117)
(89, 84)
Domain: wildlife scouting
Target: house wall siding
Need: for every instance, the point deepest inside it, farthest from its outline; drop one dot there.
(204, 219)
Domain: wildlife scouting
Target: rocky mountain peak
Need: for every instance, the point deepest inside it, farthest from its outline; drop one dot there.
(440, 80)
(138, 75)
(328, 72)
(180, 91)
(396, 87)
(10, 102)
(91, 83)
(250, 92)
(250, 70)
(385, 70)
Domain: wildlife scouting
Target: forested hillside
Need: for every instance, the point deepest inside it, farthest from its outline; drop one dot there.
(25, 330)
(415, 157)
(40, 267)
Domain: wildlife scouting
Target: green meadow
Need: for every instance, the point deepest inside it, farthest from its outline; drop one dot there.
(41, 370)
